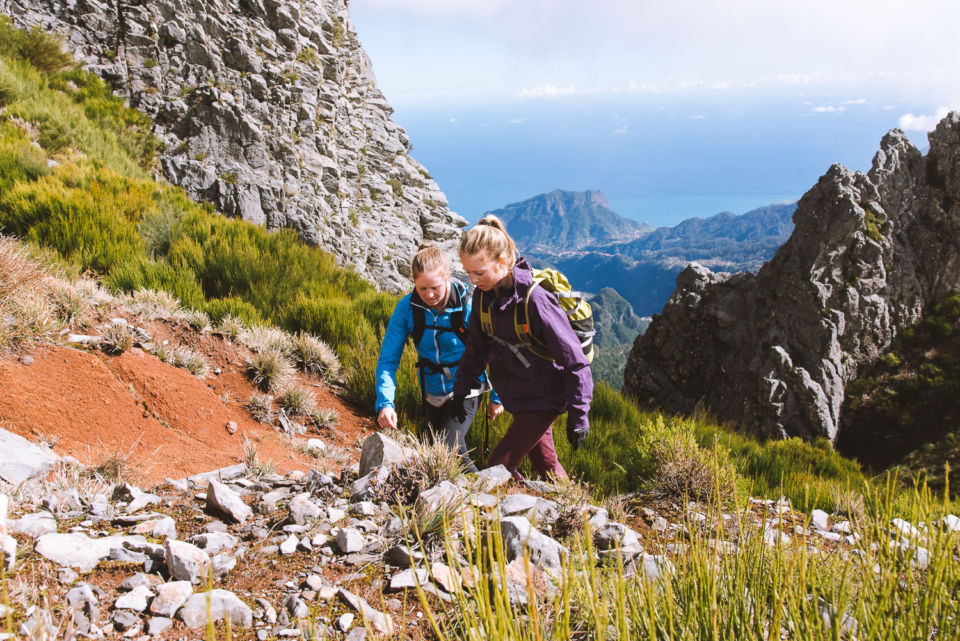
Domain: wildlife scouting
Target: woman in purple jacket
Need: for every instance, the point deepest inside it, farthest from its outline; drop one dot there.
(533, 389)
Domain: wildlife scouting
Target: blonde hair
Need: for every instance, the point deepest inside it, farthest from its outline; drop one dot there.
(429, 258)
(490, 235)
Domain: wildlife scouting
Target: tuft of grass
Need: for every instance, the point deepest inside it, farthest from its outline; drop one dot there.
(325, 418)
(197, 320)
(261, 408)
(255, 467)
(314, 356)
(192, 361)
(297, 400)
(682, 470)
(230, 326)
(153, 304)
(116, 338)
(270, 369)
(266, 339)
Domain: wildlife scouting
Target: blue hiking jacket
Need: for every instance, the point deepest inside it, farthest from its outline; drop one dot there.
(435, 346)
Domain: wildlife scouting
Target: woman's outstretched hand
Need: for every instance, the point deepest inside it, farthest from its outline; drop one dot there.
(387, 418)
(494, 410)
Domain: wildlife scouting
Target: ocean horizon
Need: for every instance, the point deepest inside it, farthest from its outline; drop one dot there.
(658, 159)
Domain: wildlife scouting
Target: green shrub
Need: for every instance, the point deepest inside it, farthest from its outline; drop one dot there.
(44, 51)
(219, 308)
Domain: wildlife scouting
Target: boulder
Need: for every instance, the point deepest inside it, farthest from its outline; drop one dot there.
(519, 536)
(21, 460)
(77, 550)
(170, 597)
(379, 450)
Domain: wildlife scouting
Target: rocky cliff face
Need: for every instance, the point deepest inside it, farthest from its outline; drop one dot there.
(774, 350)
(270, 111)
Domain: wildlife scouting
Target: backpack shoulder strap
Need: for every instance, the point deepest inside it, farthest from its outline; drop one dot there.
(419, 320)
(486, 321)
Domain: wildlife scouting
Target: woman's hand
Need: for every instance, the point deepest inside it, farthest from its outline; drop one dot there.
(387, 418)
(494, 410)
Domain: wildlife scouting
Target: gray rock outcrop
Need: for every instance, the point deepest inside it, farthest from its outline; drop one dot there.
(774, 350)
(270, 111)
(21, 460)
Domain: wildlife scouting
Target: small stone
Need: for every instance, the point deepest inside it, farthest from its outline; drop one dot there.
(402, 556)
(829, 536)
(363, 508)
(231, 427)
(348, 540)
(408, 579)
(214, 542)
(335, 514)
(843, 527)
(493, 477)
(135, 600)
(224, 502)
(317, 446)
(950, 523)
(345, 621)
(170, 597)
(379, 450)
(660, 524)
(222, 603)
(158, 625)
(186, 562)
(125, 620)
(26, 359)
(289, 546)
(223, 564)
(445, 577)
(67, 577)
(158, 528)
(303, 510)
(34, 525)
(140, 579)
(820, 520)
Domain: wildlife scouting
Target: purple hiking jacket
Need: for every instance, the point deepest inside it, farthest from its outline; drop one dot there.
(562, 385)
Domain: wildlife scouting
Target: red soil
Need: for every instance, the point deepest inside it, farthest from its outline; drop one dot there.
(162, 421)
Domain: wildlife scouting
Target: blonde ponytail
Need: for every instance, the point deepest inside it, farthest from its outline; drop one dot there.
(490, 235)
(429, 258)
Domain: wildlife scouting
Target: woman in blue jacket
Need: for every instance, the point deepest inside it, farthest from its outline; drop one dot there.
(435, 315)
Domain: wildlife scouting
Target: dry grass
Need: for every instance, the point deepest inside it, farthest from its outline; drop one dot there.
(152, 304)
(314, 356)
(297, 400)
(27, 313)
(261, 408)
(270, 369)
(116, 338)
(230, 326)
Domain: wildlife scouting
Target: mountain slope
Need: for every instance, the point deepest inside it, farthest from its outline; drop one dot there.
(563, 221)
(269, 111)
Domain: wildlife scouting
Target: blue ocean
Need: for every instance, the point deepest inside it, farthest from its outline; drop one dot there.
(659, 158)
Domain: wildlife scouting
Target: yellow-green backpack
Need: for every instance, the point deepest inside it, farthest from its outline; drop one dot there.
(578, 311)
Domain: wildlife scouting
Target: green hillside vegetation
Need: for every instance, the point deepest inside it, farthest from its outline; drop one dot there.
(906, 409)
(617, 327)
(75, 177)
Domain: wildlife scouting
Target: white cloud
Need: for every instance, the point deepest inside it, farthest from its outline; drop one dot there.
(697, 117)
(922, 122)
(517, 121)
(858, 101)
(622, 130)
(829, 109)
(547, 91)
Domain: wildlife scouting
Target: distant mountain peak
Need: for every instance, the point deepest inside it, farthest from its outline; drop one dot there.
(562, 220)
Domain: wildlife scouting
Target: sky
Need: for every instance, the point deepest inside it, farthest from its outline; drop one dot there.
(487, 88)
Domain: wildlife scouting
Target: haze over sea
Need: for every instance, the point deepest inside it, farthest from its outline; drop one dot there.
(673, 110)
(659, 159)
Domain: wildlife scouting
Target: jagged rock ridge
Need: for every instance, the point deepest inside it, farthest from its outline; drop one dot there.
(774, 350)
(270, 111)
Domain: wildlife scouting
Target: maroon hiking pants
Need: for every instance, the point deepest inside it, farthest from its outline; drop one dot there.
(530, 435)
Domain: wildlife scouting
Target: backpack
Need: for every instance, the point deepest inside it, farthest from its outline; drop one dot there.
(578, 311)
